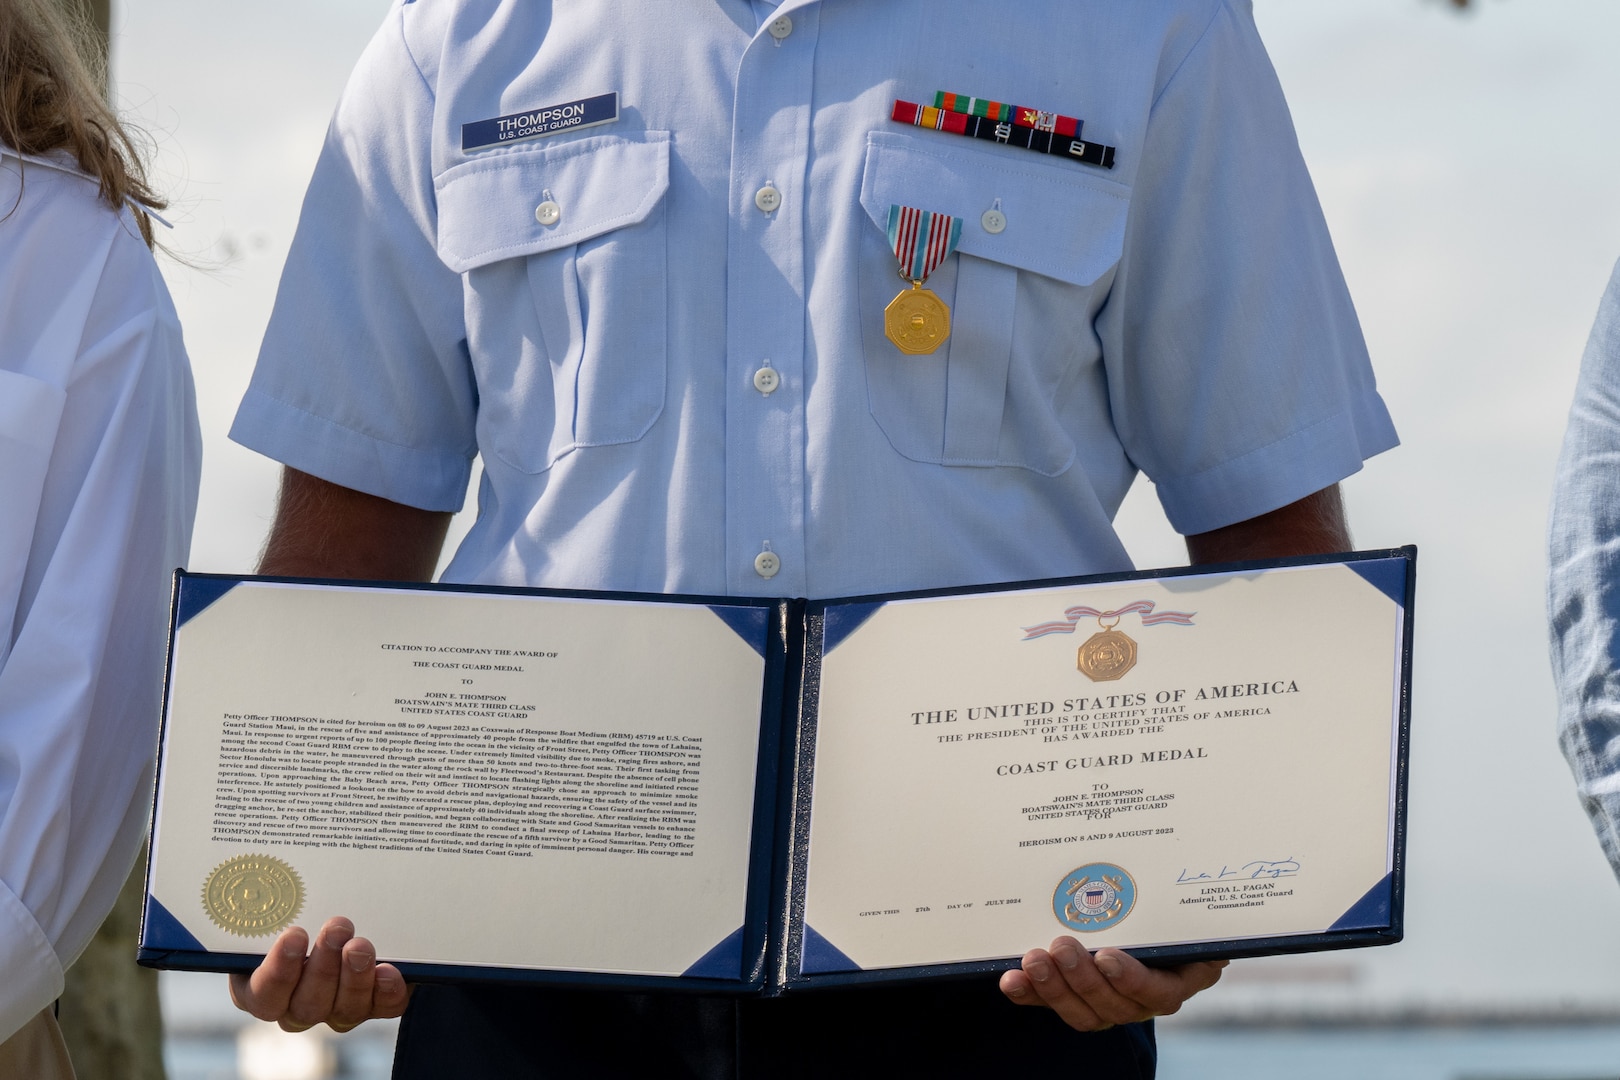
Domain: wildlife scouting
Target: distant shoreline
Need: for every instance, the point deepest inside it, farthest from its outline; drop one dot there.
(1428, 1019)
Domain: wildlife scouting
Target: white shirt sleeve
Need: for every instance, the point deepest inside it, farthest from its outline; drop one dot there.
(99, 465)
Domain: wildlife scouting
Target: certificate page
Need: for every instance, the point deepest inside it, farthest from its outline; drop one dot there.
(1151, 762)
(473, 778)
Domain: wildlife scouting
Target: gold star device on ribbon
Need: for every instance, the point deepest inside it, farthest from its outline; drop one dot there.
(918, 321)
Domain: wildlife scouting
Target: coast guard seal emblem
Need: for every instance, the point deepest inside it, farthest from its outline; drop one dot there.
(253, 895)
(1094, 897)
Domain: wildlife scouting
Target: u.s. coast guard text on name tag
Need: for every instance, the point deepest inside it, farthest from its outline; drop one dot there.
(546, 120)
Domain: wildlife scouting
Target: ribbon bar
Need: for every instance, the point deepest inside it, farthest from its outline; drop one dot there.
(909, 112)
(1003, 131)
(1021, 115)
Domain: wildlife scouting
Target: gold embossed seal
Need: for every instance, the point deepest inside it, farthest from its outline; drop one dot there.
(1107, 655)
(253, 895)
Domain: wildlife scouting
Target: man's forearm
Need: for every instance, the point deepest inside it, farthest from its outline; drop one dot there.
(323, 530)
(1314, 525)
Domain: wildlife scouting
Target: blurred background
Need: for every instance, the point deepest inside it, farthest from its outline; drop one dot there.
(1466, 159)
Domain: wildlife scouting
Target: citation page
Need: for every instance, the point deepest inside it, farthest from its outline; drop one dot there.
(473, 778)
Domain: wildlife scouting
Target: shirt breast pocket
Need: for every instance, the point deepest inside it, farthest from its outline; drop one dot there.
(1011, 383)
(563, 255)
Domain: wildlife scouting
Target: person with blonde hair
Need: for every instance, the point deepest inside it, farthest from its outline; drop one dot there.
(100, 456)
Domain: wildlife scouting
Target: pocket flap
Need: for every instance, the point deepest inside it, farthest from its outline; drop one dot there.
(487, 206)
(1061, 222)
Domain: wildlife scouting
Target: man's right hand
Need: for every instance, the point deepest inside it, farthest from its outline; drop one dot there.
(338, 982)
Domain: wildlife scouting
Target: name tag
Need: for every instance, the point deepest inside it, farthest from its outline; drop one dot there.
(535, 123)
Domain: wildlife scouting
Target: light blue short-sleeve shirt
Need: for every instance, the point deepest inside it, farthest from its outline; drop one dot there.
(664, 336)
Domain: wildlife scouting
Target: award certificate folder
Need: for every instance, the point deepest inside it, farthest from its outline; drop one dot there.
(751, 795)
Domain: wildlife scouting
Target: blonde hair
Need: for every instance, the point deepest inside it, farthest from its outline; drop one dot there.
(51, 74)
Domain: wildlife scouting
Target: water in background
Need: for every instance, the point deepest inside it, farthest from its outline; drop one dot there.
(1449, 1053)
(362, 1055)
(204, 1031)
(1515, 1053)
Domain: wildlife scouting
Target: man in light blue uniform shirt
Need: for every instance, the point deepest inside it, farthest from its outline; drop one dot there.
(663, 334)
(1583, 582)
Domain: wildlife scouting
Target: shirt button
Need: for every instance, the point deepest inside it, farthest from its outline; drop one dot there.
(767, 198)
(766, 564)
(548, 213)
(993, 221)
(766, 379)
(780, 27)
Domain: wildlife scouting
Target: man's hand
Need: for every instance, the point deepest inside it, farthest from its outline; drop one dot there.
(1090, 993)
(338, 983)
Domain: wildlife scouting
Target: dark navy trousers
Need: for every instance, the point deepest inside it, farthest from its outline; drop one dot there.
(939, 1031)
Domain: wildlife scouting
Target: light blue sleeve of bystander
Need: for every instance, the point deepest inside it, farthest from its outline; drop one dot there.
(1583, 581)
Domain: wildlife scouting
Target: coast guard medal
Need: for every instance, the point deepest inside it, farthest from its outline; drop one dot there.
(1106, 655)
(253, 895)
(918, 321)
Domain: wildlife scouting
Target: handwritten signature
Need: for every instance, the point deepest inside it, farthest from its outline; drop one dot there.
(1269, 870)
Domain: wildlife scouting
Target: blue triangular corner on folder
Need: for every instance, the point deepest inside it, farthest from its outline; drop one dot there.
(1388, 576)
(163, 931)
(1372, 911)
(724, 961)
(196, 593)
(752, 624)
(821, 956)
(841, 621)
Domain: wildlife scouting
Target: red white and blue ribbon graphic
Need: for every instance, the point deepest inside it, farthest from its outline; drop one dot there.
(921, 240)
(1075, 614)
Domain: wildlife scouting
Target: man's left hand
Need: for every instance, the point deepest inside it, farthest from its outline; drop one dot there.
(1090, 992)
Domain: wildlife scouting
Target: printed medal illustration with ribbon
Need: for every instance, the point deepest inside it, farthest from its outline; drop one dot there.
(1108, 654)
(918, 321)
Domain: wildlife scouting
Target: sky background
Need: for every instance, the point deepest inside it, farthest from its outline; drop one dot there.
(1466, 164)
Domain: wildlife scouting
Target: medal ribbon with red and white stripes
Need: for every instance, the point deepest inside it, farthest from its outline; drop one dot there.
(1073, 615)
(921, 240)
